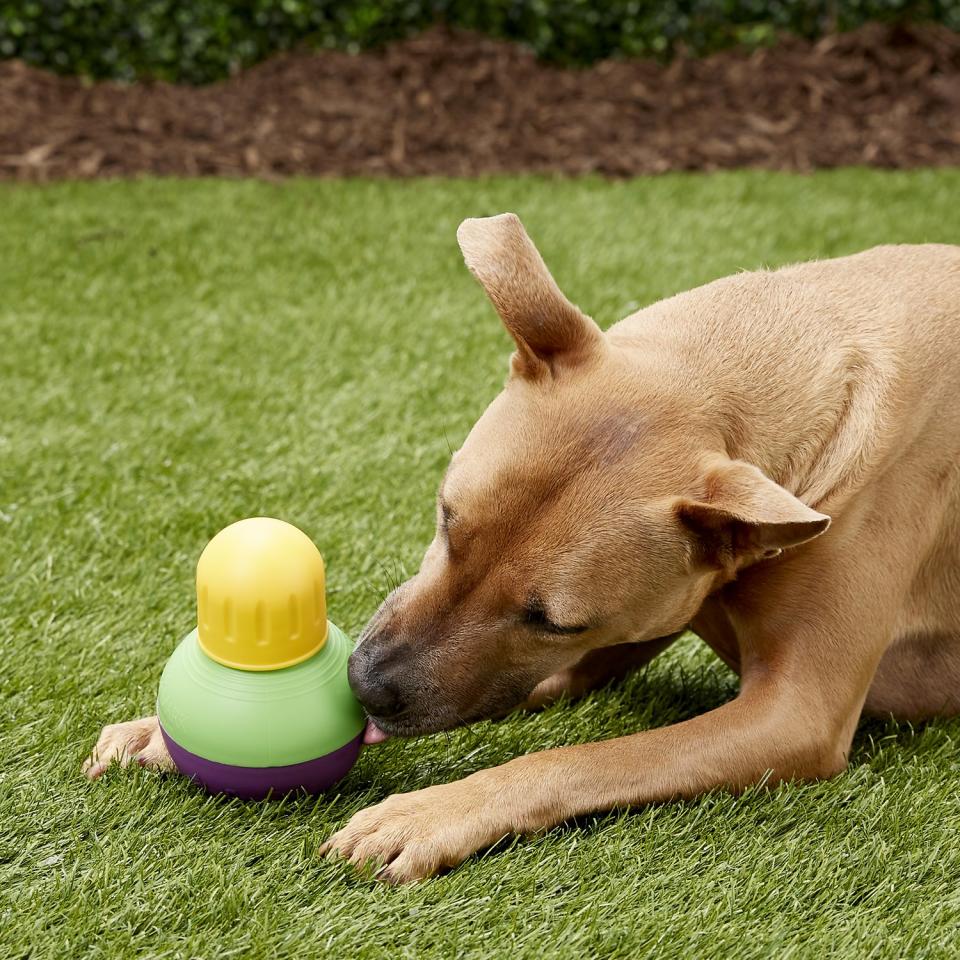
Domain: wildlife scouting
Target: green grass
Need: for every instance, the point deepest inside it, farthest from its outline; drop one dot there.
(174, 356)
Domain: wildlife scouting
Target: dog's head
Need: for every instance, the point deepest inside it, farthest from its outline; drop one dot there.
(588, 506)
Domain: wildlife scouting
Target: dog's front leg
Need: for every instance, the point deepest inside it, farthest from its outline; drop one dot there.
(413, 835)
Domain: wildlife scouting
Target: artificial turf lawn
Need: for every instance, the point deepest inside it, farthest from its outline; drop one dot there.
(174, 356)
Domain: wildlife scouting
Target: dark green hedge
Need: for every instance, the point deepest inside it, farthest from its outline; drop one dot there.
(201, 40)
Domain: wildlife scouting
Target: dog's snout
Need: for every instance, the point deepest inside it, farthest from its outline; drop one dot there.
(380, 697)
(373, 676)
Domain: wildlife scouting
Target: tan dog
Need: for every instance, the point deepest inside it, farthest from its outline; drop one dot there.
(681, 469)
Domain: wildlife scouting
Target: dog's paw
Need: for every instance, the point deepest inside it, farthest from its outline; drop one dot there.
(566, 683)
(411, 836)
(136, 740)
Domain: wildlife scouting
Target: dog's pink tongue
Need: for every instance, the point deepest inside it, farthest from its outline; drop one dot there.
(373, 734)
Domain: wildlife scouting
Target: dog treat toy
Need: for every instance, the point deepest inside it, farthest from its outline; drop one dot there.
(256, 699)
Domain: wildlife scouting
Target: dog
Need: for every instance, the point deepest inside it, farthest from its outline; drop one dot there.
(771, 460)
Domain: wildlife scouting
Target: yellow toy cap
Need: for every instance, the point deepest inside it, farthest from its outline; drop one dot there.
(261, 602)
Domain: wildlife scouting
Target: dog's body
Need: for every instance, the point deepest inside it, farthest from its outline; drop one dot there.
(839, 379)
(681, 469)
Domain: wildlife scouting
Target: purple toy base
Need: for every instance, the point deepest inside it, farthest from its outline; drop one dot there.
(257, 783)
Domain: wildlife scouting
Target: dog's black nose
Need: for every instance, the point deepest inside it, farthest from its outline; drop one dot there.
(371, 681)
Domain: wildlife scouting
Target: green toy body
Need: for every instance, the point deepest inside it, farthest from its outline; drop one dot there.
(291, 721)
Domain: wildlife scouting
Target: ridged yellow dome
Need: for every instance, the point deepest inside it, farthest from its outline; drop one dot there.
(261, 602)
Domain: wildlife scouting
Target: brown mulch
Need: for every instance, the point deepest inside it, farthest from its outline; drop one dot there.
(453, 103)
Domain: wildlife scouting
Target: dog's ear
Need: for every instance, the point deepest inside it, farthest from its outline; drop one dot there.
(741, 513)
(546, 326)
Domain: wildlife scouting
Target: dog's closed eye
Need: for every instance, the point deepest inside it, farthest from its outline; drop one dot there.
(535, 615)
